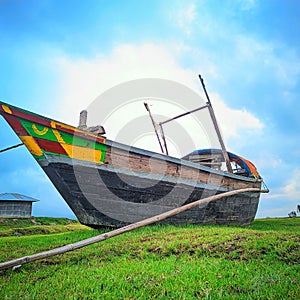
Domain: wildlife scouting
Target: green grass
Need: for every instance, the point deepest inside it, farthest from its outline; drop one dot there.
(37, 225)
(260, 261)
(33, 221)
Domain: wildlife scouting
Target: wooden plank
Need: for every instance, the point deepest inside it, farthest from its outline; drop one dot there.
(214, 120)
(137, 162)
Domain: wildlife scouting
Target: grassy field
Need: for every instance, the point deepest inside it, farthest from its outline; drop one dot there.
(40, 225)
(260, 261)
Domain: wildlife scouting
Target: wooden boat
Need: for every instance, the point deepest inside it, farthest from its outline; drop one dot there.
(106, 183)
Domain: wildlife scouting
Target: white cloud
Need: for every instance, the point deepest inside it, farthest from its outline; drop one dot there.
(234, 121)
(282, 199)
(273, 162)
(292, 188)
(231, 49)
(269, 57)
(185, 18)
(85, 79)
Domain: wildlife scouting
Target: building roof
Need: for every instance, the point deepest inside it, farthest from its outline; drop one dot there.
(16, 197)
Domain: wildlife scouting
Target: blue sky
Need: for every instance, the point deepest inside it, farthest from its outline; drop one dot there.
(57, 56)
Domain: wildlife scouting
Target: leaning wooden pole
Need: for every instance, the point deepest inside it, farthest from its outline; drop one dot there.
(154, 126)
(215, 123)
(105, 236)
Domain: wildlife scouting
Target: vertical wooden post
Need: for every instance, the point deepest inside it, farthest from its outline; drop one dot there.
(164, 138)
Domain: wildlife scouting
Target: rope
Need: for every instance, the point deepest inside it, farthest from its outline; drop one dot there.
(265, 188)
(11, 147)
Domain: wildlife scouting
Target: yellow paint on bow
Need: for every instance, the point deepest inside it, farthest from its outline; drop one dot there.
(76, 152)
(6, 109)
(31, 145)
(39, 132)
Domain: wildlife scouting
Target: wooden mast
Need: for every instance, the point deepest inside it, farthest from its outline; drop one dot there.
(214, 120)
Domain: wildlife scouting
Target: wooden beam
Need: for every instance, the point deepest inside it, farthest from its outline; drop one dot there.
(182, 115)
(214, 120)
(154, 126)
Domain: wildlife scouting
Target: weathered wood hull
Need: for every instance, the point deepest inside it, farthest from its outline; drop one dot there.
(109, 184)
(94, 208)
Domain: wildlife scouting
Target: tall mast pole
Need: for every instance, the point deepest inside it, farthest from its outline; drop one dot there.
(214, 120)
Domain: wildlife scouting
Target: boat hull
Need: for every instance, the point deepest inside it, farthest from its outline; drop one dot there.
(101, 197)
(110, 184)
